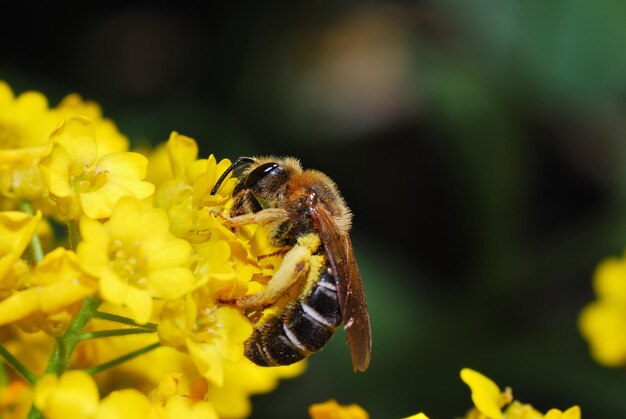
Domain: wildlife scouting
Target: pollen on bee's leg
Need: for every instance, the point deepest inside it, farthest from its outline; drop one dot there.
(294, 268)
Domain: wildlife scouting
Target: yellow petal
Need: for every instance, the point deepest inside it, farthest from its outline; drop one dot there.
(127, 165)
(16, 231)
(78, 137)
(170, 283)
(55, 171)
(209, 361)
(73, 395)
(124, 404)
(485, 393)
(571, 413)
(181, 150)
(333, 410)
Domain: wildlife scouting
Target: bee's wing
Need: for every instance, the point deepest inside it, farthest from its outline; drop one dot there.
(349, 286)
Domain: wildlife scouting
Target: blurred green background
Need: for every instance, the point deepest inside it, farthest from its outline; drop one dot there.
(481, 146)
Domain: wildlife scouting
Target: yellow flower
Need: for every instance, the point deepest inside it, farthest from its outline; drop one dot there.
(25, 125)
(571, 413)
(490, 403)
(73, 395)
(333, 410)
(15, 399)
(485, 393)
(81, 179)
(603, 321)
(187, 196)
(211, 335)
(55, 289)
(109, 139)
(417, 416)
(135, 257)
(232, 399)
(16, 232)
(178, 402)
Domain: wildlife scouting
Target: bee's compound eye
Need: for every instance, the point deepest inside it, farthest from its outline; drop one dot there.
(260, 172)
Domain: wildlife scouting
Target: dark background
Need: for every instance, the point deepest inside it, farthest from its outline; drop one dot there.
(480, 145)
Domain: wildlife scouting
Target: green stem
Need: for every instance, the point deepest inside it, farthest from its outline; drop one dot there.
(72, 233)
(67, 343)
(18, 366)
(34, 413)
(123, 320)
(35, 243)
(114, 332)
(116, 361)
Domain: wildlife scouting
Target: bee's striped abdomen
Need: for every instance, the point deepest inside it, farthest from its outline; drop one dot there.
(304, 326)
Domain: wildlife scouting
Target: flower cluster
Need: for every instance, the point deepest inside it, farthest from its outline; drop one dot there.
(603, 321)
(118, 277)
(489, 403)
(115, 269)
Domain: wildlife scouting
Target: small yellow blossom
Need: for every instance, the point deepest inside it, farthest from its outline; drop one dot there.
(73, 395)
(603, 321)
(486, 394)
(25, 125)
(490, 403)
(187, 196)
(417, 416)
(571, 413)
(232, 399)
(108, 138)
(54, 290)
(333, 410)
(211, 335)
(81, 179)
(135, 258)
(15, 399)
(16, 232)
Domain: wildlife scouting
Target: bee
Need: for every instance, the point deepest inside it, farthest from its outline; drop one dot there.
(317, 286)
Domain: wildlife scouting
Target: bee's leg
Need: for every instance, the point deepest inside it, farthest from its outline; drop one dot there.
(266, 216)
(295, 267)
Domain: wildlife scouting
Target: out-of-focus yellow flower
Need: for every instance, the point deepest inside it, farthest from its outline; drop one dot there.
(81, 179)
(485, 393)
(333, 410)
(109, 139)
(571, 413)
(211, 335)
(603, 321)
(73, 395)
(232, 399)
(490, 403)
(25, 125)
(180, 402)
(16, 232)
(417, 416)
(15, 399)
(53, 293)
(135, 257)
(159, 166)
(176, 408)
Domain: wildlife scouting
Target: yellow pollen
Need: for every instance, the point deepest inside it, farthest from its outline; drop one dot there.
(86, 180)
(125, 262)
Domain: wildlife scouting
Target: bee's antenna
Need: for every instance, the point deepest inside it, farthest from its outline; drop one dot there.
(233, 166)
